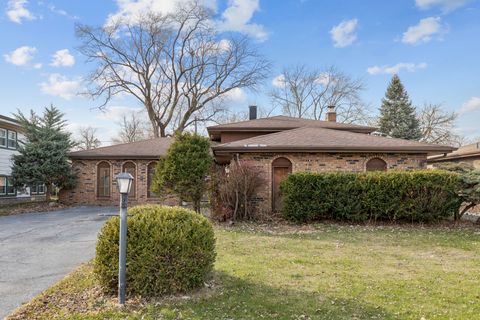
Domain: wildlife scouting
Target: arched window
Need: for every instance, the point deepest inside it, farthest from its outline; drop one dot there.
(281, 168)
(131, 168)
(103, 179)
(150, 174)
(376, 164)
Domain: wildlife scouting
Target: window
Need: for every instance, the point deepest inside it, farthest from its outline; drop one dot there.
(3, 186)
(37, 189)
(3, 137)
(8, 139)
(130, 167)
(150, 174)
(376, 164)
(6, 187)
(12, 139)
(10, 187)
(103, 179)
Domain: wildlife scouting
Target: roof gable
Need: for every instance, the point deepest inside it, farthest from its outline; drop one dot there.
(146, 149)
(279, 123)
(308, 139)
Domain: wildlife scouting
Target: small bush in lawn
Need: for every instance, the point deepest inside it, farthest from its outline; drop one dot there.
(424, 195)
(169, 250)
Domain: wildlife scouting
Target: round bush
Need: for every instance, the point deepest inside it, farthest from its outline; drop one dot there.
(169, 250)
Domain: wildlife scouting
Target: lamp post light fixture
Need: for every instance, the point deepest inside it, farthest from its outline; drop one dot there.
(124, 183)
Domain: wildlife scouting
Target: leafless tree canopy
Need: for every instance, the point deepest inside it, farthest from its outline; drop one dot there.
(88, 138)
(131, 128)
(175, 65)
(437, 125)
(306, 93)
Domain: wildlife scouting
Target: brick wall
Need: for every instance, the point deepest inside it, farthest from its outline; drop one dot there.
(323, 162)
(85, 192)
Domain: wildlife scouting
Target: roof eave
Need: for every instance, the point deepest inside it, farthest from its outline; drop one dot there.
(454, 157)
(113, 157)
(212, 130)
(225, 149)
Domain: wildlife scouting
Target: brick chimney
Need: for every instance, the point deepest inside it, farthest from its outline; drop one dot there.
(331, 114)
(252, 112)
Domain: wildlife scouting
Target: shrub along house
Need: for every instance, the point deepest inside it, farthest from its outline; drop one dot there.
(281, 145)
(96, 170)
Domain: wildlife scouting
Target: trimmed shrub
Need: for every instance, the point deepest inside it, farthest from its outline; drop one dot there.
(169, 250)
(421, 196)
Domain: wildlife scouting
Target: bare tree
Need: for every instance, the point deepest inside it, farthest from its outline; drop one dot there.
(306, 93)
(437, 126)
(88, 138)
(131, 128)
(173, 64)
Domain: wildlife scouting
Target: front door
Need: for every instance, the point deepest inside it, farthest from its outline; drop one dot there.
(279, 174)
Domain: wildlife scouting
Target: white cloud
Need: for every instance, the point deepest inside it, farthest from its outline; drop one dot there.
(20, 56)
(407, 66)
(344, 34)
(279, 81)
(236, 95)
(115, 113)
(445, 5)
(132, 10)
(63, 58)
(237, 18)
(17, 11)
(471, 105)
(61, 86)
(424, 31)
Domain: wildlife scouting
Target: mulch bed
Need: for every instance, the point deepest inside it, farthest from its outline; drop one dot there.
(28, 207)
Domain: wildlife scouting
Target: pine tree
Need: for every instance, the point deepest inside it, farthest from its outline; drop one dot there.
(184, 168)
(42, 157)
(397, 115)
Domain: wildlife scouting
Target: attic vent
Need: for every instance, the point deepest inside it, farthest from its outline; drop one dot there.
(254, 145)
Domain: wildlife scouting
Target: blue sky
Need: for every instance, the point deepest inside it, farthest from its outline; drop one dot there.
(434, 45)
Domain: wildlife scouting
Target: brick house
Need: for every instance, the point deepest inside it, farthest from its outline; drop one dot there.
(281, 145)
(277, 145)
(96, 170)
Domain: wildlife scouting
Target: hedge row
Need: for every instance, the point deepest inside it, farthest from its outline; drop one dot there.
(420, 196)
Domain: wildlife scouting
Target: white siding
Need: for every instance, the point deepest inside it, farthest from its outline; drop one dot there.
(6, 159)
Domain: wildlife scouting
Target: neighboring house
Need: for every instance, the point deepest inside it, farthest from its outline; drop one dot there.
(96, 170)
(281, 145)
(469, 153)
(10, 135)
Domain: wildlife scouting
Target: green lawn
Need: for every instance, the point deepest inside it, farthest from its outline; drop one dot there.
(306, 272)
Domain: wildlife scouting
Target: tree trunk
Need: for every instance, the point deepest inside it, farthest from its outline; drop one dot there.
(48, 193)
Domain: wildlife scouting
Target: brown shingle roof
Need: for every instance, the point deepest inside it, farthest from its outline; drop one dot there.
(146, 149)
(308, 139)
(278, 123)
(468, 151)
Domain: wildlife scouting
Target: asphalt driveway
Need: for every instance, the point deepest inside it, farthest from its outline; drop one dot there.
(38, 249)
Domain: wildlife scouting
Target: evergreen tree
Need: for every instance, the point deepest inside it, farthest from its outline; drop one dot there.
(397, 115)
(184, 169)
(42, 158)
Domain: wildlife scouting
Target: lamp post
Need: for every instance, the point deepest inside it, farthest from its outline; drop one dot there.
(124, 183)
